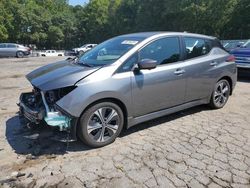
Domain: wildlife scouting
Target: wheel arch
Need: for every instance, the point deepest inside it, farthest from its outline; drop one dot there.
(113, 100)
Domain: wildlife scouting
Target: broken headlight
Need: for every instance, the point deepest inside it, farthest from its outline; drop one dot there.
(56, 94)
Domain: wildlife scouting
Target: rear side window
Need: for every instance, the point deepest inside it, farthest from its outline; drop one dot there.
(196, 47)
(2, 46)
(164, 51)
(11, 46)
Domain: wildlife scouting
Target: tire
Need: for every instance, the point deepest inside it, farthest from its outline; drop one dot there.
(20, 54)
(220, 94)
(96, 129)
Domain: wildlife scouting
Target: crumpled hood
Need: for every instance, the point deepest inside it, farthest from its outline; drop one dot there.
(58, 75)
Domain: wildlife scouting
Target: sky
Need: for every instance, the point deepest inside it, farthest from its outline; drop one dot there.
(77, 2)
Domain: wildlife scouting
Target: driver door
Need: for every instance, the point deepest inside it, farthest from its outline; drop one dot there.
(164, 86)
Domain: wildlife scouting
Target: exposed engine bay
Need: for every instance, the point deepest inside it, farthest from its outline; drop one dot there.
(38, 105)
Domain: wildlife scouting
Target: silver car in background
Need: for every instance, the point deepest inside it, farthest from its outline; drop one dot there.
(13, 50)
(83, 49)
(128, 80)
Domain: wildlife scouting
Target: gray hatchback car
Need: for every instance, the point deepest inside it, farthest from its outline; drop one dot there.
(13, 50)
(127, 80)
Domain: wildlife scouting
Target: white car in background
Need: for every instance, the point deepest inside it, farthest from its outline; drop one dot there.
(50, 53)
(84, 48)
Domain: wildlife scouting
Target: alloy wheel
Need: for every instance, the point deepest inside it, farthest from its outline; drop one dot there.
(221, 93)
(103, 124)
(20, 54)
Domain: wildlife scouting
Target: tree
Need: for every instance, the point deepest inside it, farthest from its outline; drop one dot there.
(55, 37)
(55, 24)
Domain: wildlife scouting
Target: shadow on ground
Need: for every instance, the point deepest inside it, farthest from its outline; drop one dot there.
(244, 75)
(42, 140)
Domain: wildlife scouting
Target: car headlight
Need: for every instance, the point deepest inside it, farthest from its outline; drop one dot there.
(55, 95)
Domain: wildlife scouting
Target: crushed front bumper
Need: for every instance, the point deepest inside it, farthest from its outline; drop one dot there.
(37, 113)
(33, 113)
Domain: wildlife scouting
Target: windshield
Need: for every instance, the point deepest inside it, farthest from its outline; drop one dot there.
(247, 44)
(109, 51)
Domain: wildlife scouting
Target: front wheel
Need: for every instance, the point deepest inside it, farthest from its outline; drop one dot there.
(101, 124)
(220, 94)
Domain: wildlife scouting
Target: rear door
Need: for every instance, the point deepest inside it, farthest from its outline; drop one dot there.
(11, 49)
(200, 68)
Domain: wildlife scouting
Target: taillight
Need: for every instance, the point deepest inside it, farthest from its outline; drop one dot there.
(28, 48)
(231, 58)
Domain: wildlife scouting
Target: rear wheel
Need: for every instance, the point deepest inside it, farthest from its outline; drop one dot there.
(220, 94)
(20, 54)
(101, 124)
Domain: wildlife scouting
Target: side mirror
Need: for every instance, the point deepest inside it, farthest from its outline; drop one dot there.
(147, 64)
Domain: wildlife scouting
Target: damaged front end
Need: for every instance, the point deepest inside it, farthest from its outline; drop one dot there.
(38, 106)
(51, 84)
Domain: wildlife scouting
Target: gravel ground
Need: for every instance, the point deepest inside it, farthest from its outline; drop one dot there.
(198, 147)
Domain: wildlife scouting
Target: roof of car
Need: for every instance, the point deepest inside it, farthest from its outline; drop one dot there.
(149, 34)
(9, 43)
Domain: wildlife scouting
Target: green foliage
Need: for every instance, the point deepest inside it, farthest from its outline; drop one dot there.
(55, 24)
(55, 36)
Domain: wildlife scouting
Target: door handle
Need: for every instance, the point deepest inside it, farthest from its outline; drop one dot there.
(179, 71)
(214, 63)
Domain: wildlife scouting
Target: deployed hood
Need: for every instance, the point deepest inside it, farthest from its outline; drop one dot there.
(58, 75)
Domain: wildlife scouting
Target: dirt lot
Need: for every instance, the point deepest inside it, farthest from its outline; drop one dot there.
(198, 147)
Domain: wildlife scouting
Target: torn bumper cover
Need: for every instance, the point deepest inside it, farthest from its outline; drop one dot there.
(34, 108)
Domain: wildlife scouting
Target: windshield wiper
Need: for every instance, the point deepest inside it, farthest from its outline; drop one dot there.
(84, 64)
(109, 59)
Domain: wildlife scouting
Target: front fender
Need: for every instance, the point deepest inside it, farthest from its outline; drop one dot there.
(78, 100)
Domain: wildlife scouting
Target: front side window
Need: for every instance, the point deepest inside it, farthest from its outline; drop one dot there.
(164, 51)
(109, 51)
(128, 65)
(196, 47)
